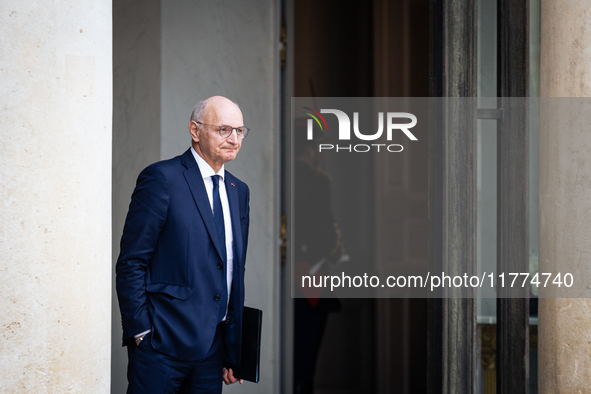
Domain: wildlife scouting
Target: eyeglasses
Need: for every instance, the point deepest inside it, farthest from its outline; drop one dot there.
(226, 131)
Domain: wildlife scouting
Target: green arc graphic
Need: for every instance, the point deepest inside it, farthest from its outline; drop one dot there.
(316, 119)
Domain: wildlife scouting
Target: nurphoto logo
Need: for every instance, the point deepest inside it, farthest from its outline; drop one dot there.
(392, 125)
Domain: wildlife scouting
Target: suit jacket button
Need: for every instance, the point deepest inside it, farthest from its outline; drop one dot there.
(220, 265)
(217, 297)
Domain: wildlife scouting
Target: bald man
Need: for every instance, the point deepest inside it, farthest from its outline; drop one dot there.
(180, 273)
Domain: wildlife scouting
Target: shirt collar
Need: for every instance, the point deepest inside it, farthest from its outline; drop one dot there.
(204, 168)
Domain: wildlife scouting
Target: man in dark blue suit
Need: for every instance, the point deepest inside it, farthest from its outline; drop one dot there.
(180, 273)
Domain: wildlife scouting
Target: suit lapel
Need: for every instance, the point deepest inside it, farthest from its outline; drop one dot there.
(195, 181)
(232, 192)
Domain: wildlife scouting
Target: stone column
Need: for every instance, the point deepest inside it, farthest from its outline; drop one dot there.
(565, 202)
(55, 196)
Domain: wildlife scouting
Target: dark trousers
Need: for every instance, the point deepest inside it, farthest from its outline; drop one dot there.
(150, 371)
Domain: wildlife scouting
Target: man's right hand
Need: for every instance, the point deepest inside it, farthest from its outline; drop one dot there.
(139, 339)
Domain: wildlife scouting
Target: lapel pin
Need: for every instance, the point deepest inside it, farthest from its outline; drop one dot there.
(233, 184)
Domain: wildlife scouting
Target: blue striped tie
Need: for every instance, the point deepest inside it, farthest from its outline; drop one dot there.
(218, 215)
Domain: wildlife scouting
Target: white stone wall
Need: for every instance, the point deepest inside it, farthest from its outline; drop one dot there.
(565, 207)
(55, 193)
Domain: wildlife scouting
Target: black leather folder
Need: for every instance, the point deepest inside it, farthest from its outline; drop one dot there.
(252, 322)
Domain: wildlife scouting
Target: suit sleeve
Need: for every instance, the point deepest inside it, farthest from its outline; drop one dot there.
(144, 223)
(231, 335)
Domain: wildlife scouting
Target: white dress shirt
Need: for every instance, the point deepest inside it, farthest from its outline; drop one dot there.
(207, 172)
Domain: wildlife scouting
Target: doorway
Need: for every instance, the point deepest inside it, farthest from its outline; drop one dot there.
(368, 49)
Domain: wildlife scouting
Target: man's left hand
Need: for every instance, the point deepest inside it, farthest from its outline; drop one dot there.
(229, 376)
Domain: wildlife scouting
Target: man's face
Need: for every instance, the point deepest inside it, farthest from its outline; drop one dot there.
(207, 140)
